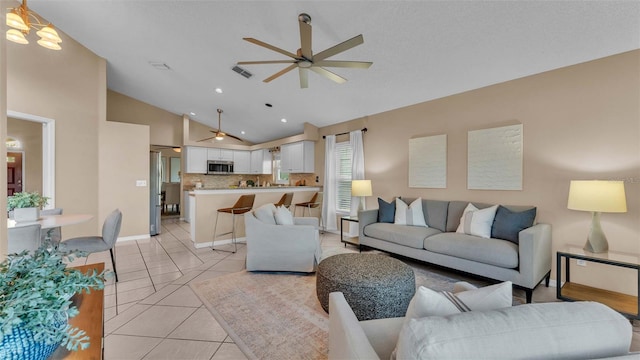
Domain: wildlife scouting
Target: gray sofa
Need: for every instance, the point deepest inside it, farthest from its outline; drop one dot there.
(524, 264)
(579, 330)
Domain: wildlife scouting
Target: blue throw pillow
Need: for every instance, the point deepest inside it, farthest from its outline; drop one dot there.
(386, 211)
(507, 224)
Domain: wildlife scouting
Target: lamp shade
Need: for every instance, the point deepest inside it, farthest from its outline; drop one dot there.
(597, 195)
(361, 188)
(16, 36)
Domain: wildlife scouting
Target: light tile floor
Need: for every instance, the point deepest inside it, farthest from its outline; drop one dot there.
(152, 313)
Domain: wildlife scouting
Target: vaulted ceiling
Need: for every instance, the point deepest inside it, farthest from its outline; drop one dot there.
(421, 50)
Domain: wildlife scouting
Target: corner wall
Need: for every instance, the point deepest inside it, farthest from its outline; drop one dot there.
(580, 122)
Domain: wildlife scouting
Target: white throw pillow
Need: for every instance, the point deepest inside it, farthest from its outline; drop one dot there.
(265, 214)
(427, 302)
(477, 222)
(283, 216)
(409, 215)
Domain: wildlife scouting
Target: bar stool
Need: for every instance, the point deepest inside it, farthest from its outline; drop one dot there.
(313, 203)
(243, 205)
(285, 200)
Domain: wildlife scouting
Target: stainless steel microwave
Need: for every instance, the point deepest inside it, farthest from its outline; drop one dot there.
(215, 167)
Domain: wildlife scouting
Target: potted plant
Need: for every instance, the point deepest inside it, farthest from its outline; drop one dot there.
(35, 302)
(26, 205)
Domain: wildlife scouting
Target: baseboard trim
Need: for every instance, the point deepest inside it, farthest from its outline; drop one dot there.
(133, 237)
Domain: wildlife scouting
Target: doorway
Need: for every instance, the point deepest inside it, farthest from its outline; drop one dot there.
(14, 172)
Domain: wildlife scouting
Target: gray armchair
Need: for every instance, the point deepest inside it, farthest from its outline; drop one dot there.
(92, 244)
(282, 247)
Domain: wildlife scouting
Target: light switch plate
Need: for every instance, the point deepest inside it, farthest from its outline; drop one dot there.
(141, 182)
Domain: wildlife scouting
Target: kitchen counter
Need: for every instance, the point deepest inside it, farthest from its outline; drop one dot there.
(204, 203)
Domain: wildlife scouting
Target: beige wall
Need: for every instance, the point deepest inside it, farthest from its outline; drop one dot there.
(580, 122)
(69, 86)
(124, 158)
(3, 133)
(29, 133)
(165, 127)
(64, 86)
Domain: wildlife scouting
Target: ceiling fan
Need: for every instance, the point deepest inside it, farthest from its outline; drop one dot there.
(219, 134)
(304, 59)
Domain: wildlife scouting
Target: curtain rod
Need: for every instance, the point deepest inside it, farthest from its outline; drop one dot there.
(344, 133)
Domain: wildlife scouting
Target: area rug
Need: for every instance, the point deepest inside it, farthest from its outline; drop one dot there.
(277, 315)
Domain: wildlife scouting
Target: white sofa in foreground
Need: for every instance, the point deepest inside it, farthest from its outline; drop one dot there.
(578, 330)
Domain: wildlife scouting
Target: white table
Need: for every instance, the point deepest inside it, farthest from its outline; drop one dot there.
(53, 221)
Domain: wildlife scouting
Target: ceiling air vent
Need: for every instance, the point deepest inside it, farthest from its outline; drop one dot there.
(242, 71)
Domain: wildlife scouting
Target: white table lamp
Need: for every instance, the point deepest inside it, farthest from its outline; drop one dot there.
(361, 188)
(597, 196)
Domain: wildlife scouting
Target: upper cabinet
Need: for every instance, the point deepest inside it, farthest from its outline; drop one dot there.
(261, 161)
(241, 162)
(219, 154)
(297, 157)
(195, 160)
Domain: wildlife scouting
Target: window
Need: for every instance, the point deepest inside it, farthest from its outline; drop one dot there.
(279, 176)
(343, 176)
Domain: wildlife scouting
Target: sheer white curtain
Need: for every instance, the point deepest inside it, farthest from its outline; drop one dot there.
(357, 172)
(329, 193)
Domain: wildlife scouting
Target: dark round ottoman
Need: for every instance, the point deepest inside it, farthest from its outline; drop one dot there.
(375, 286)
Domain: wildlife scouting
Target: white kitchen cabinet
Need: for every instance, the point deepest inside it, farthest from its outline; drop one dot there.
(297, 157)
(219, 154)
(195, 160)
(261, 162)
(241, 162)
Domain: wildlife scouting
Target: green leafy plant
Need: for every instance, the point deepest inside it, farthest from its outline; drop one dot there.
(26, 200)
(36, 291)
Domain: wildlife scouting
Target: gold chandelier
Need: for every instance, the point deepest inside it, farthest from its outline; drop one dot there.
(22, 20)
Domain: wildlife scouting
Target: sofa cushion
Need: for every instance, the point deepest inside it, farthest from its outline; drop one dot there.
(578, 330)
(488, 251)
(265, 213)
(508, 224)
(386, 211)
(435, 213)
(427, 302)
(455, 211)
(412, 236)
(283, 216)
(409, 215)
(477, 222)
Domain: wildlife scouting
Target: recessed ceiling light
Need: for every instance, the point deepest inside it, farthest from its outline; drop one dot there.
(219, 91)
(192, 113)
(283, 120)
(242, 132)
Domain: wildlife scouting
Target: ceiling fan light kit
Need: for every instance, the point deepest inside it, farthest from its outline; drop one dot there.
(304, 59)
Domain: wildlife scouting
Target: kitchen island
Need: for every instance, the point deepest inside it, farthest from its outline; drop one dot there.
(204, 203)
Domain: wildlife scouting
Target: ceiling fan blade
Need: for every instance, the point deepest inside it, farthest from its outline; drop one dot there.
(343, 46)
(344, 64)
(271, 47)
(280, 73)
(235, 137)
(305, 40)
(328, 74)
(209, 138)
(266, 62)
(304, 78)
